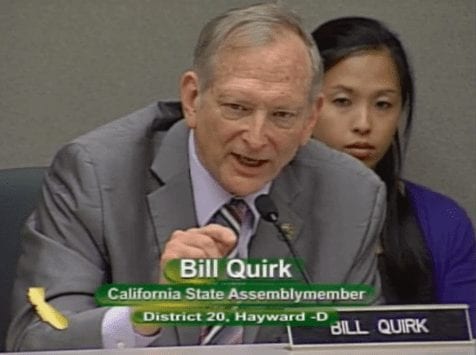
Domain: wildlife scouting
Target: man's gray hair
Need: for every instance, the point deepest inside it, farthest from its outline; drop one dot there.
(251, 26)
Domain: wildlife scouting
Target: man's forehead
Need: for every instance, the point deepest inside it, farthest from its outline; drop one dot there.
(286, 59)
(267, 72)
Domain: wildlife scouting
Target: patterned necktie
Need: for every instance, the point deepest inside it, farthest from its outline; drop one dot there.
(232, 215)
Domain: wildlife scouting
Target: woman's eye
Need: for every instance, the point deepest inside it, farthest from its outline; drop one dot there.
(383, 105)
(341, 102)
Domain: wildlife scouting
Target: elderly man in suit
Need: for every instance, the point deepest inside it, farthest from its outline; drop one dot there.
(122, 200)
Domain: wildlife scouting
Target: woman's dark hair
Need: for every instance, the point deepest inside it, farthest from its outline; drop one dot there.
(405, 265)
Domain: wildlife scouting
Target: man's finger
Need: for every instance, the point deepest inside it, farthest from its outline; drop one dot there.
(225, 238)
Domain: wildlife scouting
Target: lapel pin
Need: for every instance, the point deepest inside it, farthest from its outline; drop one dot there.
(289, 230)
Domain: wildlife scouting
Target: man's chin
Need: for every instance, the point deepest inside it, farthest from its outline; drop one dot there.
(242, 187)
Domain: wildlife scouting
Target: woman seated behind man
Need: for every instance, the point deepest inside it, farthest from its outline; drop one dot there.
(428, 245)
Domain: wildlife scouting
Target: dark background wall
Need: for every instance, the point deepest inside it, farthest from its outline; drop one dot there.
(68, 66)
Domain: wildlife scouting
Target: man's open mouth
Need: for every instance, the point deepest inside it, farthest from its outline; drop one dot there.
(254, 163)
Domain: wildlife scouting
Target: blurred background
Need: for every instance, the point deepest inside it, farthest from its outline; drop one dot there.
(68, 66)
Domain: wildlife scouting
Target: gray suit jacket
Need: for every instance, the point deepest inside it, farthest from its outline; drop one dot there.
(112, 198)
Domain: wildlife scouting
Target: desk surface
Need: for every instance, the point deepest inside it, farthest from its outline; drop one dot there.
(467, 348)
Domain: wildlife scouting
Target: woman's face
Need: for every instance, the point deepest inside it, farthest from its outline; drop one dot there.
(361, 106)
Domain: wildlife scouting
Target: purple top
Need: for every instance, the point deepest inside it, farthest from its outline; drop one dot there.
(450, 238)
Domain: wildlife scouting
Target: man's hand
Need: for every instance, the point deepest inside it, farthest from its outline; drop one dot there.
(210, 241)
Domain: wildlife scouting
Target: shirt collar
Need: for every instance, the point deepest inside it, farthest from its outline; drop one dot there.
(208, 195)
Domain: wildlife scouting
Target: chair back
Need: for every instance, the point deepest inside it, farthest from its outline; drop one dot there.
(19, 192)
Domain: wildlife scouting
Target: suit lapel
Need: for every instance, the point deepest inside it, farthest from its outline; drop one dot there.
(267, 242)
(171, 204)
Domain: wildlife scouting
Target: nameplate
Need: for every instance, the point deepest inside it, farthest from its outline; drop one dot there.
(392, 324)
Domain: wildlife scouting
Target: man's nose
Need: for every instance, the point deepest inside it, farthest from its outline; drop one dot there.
(255, 134)
(362, 123)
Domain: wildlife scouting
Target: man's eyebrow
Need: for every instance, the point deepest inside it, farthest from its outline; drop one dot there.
(227, 94)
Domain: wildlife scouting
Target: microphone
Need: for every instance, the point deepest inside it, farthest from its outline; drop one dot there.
(268, 211)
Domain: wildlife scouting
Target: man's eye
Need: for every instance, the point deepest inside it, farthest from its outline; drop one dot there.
(342, 102)
(235, 107)
(234, 111)
(284, 119)
(284, 114)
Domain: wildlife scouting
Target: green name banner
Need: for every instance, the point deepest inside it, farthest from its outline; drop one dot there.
(195, 316)
(234, 292)
(229, 293)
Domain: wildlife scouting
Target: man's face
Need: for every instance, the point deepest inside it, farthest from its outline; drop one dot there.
(254, 115)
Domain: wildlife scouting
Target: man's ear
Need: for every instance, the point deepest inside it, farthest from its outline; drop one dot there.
(189, 96)
(316, 108)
